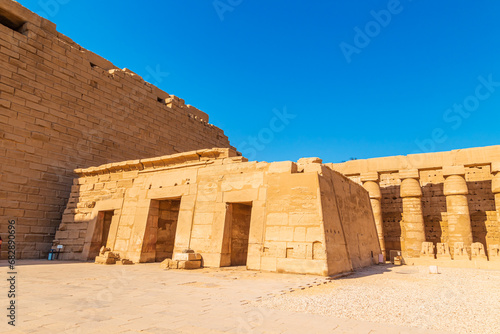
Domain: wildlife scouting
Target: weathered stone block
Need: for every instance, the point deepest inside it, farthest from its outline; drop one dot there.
(477, 251)
(453, 170)
(186, 256)
(189, 264)
(369, 176)
(283, 167)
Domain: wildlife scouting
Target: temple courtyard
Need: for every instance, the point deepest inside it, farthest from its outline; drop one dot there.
(76, 297)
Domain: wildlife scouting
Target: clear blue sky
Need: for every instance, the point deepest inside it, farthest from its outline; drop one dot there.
(393, 97)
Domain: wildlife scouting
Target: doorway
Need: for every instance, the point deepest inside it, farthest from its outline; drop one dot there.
(168, 215)
(238, 231)
(101, 232)
(159, 237)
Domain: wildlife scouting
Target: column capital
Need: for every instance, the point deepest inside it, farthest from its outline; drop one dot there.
(410, 188)
(453, 170)
(369, 176)
(454, 183)
(409, 174)
(370, 183)
(373, 189)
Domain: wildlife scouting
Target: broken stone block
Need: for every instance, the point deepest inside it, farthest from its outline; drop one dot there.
(111, 255)
(427, 250)
(104, 260)
(169, 264)
(189, 264)
(187, 256)
(173, 264)
(165, 264)
(106, 256)
(103, 250)
(124, 262)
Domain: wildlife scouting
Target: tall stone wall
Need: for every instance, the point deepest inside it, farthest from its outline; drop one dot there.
(63, 107)
(434, 197)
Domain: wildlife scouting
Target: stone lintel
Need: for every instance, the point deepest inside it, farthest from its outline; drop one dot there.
(369, 176)
(453, 170)
(409, 174)
(181, 159)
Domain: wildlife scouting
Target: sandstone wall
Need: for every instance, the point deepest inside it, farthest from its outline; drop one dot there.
(298, 212)
(360, 232)
(63, 107)
(478, 174)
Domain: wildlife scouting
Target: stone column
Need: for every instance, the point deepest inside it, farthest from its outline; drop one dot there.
(413, 219)
(495, 185)
(457, 206)
(371, 184)
(494, 250)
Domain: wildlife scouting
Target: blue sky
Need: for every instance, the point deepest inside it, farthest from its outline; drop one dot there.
(333, 79)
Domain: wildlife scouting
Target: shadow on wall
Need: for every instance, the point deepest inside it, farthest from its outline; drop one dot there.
(483, 214)
(482, 211)
(392, 210)
(434, 212)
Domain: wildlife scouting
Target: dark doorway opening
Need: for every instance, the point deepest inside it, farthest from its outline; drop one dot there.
(168, 215)
(101, 232)
(159, 237)
(238, 221)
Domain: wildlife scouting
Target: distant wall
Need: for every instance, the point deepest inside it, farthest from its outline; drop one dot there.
(63, 107)
(477, 168)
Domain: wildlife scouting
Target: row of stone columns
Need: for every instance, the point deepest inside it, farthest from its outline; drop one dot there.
(413, 227)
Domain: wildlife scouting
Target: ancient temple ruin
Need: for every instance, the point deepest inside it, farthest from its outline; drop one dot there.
(283, 216)
(64, 108)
